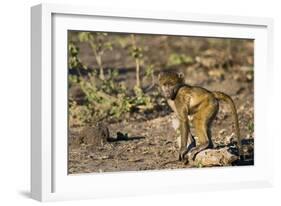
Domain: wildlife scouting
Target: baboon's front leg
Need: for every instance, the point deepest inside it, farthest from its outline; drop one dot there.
(184, 138)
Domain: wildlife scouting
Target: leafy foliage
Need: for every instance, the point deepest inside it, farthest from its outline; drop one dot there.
(74, 61)
(79, 114)
(178, 59)
(99, 45)
(106, 99)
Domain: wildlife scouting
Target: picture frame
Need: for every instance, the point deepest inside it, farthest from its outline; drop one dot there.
(49, 178)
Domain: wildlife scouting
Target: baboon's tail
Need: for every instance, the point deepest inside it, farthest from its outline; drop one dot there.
(228, 100)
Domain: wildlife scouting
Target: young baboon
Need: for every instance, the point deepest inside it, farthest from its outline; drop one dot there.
(201, 104)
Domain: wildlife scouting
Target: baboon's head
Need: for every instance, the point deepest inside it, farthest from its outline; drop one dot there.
(168, 80)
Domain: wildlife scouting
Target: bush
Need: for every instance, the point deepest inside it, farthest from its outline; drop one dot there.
(106, 99)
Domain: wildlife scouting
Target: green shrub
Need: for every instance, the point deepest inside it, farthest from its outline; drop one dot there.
(99, 44)
(179, 59)
(74, 61)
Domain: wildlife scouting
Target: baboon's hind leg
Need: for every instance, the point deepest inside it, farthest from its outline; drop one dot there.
(202, 125)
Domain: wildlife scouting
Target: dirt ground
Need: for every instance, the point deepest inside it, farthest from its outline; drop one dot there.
(150, 141)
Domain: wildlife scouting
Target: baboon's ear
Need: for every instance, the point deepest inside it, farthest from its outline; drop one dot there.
(181, 75)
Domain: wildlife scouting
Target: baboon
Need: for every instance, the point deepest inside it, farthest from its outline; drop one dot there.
(201, 104)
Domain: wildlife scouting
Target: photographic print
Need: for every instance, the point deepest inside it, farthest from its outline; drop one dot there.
(150, 102)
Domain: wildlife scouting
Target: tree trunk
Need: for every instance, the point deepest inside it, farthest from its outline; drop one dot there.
(138, 73)
(101, 75)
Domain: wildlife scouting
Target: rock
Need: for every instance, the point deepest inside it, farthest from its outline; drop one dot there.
(214, 157)
(95, 135)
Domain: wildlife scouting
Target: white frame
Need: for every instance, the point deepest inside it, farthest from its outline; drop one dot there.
(48, 178)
